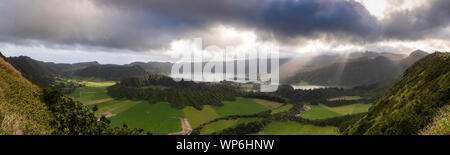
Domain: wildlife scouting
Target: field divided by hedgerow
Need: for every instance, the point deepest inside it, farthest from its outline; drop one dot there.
(323, 112)
(160, 118)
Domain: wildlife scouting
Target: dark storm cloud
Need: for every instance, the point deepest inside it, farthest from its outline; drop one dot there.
(140, 25)
(418, 23)
(281, 18)
(305, 18)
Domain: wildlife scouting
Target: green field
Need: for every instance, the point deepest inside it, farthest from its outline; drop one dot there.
(323, 112)
(282, 109)
(161, 118)
(293, 128)
(114, 106)
(269, 104)
(242, 106)
(223, 124)
(197, 117)
(88, 93)
(158, 118)
(348, 98)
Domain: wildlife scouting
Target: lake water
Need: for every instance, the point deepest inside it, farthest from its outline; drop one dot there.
(308, 87)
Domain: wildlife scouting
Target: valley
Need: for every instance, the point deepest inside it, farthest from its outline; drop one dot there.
(161, 118)
(156, 104)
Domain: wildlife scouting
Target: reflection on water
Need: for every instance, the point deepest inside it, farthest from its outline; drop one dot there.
(308, 87)
(211, 77)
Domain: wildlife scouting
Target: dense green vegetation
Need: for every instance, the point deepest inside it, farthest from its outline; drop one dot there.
(412, 102)
(179, 94)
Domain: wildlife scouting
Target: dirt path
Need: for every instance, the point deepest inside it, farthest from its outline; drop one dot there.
(186, 127)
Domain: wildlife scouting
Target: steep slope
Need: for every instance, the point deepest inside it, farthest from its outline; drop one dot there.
(20, 105)
(360, 71)
(412, 102)
(440, 124)
(111, 72)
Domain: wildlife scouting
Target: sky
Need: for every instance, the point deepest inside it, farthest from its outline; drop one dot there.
(120, 32)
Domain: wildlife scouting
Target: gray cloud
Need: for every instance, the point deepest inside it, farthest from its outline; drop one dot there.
(140, 25)
(419, 23)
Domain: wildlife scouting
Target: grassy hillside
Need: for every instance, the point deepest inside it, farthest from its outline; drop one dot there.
(440, 124)
(412, 102)
(20, 105)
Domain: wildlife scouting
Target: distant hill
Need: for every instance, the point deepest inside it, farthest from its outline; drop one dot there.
(155, 67)
(360, 71)
(111, 72)
(359, 68)
(413, 57)
(43, 73)
(32, 70)
(412, 102)
(65, 69)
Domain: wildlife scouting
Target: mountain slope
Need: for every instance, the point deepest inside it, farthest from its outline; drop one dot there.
(20, 105)
(412, 102)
